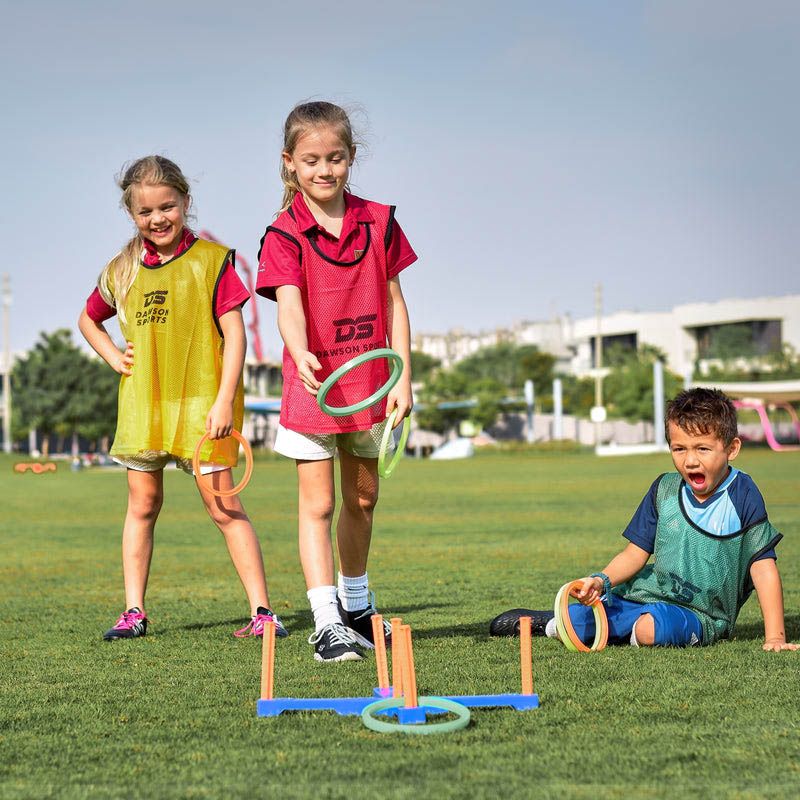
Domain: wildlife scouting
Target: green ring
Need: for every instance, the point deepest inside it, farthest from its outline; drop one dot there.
(429, 727)
(562, 630)
(384, 469)
(379, 394)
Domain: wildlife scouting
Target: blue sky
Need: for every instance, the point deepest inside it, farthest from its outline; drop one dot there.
(533, 149)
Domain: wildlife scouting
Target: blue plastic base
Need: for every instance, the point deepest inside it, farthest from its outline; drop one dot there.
(353, 706)
(346, 706)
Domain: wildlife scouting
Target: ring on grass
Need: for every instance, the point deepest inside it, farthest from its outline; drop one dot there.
(461, 720)
(564, 625)
(248, 466)
(384, 469)
(378, 394)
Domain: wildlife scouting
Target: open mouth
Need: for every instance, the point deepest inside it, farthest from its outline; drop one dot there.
(696, 479)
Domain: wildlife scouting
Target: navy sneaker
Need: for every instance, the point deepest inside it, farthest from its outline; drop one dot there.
(359, 623)
(507, 623)
(131, 623)
(335, 643)
(256, 625)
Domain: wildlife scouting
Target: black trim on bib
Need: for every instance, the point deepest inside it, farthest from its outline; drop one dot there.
(710, 535)
(322, 255)
(174, 258)
(231, 254)
(387, 239)
(285, 235)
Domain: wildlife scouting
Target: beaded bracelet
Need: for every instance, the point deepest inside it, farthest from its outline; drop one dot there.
(606, 586)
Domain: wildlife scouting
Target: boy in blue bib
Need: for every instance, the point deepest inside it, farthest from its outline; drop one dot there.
(711, 543)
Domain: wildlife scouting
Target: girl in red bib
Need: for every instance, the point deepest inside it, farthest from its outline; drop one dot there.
(179, 305)
(332, 261)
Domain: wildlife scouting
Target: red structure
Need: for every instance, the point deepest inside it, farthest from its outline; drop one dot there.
(252, 326)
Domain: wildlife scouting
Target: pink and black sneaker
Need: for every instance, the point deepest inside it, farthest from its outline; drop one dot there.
(131, 623)
(256, 625)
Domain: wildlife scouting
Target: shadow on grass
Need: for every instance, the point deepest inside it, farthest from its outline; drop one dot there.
(477, 631)
(755, 630)
(302, 618)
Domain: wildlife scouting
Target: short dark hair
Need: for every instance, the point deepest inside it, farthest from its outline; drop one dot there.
(703, 411)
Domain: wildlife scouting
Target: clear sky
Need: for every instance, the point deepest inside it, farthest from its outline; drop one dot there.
(532, 148)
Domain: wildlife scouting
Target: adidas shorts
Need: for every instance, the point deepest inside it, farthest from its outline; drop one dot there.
(675, 626)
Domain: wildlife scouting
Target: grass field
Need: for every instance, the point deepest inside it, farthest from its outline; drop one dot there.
(173, 715)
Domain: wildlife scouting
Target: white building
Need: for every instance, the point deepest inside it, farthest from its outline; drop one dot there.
(686, 334)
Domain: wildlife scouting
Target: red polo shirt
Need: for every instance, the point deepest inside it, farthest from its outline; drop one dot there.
(231, 292)
(279, 259)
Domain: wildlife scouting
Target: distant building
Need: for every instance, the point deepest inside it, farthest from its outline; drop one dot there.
(695, 332)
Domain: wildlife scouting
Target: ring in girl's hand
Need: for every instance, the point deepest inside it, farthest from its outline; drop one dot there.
(377, 395)
(384, 469)
(564, 625)
(248, 468)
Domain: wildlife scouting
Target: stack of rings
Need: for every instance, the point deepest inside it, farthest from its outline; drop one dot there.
(248, 468)
(564, 625)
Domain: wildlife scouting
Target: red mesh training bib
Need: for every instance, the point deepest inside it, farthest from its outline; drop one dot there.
(345, 305)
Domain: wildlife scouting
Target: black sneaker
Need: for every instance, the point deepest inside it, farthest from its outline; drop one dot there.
(359, 623)
(335, 643)
(507, 623)
(130, 624)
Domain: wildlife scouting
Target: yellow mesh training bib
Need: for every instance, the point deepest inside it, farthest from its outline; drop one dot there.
(177, 359)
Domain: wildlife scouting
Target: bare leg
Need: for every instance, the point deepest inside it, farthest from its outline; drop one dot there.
(354, 526)
(145, 496)
(316, 503)
(229, 516)
(645, 630)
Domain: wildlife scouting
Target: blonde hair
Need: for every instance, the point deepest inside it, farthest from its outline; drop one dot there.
(303, 116)
(119, 274)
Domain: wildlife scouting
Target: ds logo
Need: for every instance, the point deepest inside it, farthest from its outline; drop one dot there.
(359, 328)
(157, 298)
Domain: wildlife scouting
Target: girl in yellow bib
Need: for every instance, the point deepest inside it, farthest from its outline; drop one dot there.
(179, 302)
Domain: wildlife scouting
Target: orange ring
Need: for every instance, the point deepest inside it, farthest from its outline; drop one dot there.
(601, 619)
(37, 468)
(248, 468)
(21, 467)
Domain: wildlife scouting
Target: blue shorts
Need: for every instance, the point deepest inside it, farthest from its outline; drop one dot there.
(675, 626)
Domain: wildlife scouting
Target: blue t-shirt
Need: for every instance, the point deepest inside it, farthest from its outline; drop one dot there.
(736, 504)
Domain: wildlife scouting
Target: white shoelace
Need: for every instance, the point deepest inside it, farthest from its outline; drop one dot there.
(339, 635)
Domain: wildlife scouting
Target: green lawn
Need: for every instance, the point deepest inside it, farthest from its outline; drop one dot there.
(173, 714)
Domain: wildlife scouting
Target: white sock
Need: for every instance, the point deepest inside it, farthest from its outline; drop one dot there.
(354, 592)
(323, 606)
(634, 641)
(550, 629)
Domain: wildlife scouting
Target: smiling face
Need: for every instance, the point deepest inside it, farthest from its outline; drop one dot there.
(321, 162)
(159, 212)
(701, 458)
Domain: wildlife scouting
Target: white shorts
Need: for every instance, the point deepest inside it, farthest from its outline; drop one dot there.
(319, 446)
(154, 460)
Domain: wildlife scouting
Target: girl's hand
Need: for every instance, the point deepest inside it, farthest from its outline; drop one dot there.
(124, 364)
(219, 422)
(778, 644)
(401, 398)
(307, 364)
(591, 591)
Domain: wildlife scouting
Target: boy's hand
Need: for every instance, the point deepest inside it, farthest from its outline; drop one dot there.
(124, 365)
(776, 645)
(219, 421)
(307, 364)
(591, 591)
